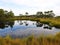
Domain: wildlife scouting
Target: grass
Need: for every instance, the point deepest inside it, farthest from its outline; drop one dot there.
(31, 40)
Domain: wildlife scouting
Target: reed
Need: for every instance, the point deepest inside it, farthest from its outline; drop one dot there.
(31, 40)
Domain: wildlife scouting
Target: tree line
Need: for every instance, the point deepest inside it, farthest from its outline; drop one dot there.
(6, 14)
(9, 14)
(41, 14)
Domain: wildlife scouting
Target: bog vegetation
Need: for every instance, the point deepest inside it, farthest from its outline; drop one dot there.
(31, 40)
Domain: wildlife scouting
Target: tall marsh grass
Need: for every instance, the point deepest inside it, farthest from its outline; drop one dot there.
(31, 40)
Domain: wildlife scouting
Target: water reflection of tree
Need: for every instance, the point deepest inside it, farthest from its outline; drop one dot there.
(18, 21)
(47, 27)
(4, 24)
(38, 24)
(26, 24)
(21, 23)
(11, 23)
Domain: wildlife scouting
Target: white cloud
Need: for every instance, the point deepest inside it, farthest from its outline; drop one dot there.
(33, 2)
(36, 5)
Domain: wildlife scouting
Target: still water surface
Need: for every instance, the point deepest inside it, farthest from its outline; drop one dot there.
(24, 28)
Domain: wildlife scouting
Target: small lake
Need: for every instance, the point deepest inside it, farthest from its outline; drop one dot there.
(24, 28)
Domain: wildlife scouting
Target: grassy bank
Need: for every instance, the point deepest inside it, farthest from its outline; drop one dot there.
(51, 21)
(54, 22)
(49, 40)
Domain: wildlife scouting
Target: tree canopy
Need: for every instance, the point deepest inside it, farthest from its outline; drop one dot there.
(5, 13)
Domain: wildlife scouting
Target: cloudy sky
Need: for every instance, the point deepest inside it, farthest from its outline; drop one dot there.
(30, 6)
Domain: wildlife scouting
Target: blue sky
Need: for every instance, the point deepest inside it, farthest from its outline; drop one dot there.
(30, 6)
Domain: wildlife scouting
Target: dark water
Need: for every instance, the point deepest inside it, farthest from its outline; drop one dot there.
(24, 28)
